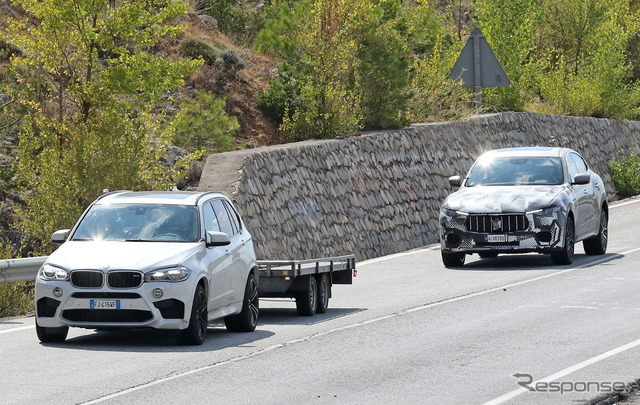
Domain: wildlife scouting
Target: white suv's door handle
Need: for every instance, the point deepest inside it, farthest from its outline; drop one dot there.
(226, 252)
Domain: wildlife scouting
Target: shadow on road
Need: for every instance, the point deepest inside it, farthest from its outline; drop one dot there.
(534, 262)
(289, 316)
(150, 340)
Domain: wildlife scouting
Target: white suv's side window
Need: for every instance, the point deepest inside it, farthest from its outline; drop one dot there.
(210, 220)
(223, 217)
(235, 221)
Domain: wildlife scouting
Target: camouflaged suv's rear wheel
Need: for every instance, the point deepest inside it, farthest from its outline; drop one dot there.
(453, 259)
(598, 244)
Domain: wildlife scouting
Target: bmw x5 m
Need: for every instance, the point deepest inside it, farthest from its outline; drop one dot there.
(164, 260)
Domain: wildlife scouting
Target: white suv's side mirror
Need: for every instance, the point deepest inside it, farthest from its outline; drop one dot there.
(60, 236)
(217, 239)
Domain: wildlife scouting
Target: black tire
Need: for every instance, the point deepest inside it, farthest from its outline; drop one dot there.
(307, 301)
(453, 259)
(565, 256)
(488, 255)
(195, 333)
(324, 290)
(52, 335)
(247, 319)
(598, 244)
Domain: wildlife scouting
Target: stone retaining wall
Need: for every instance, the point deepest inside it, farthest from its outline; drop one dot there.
(380, 193)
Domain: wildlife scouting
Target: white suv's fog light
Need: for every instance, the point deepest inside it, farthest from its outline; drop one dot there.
(57, 292)
(157, 293)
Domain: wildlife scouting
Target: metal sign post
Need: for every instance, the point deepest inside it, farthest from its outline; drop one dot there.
(478, 67)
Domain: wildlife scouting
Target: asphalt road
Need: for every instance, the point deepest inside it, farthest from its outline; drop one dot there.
(407, 331)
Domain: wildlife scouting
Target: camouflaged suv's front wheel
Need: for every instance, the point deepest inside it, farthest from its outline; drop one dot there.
(453, 259)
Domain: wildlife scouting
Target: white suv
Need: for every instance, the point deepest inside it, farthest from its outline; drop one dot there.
(165, 260)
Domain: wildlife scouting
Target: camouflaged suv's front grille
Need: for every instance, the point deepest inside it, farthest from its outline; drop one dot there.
(497, 223)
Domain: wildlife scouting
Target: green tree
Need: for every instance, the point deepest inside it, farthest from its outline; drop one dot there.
(203, 124)
(350, 60)
(510, 29)
(90, 84)
(15, 298)
(583, 65)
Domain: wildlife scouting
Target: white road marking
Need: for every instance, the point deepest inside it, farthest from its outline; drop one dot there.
(624, 203)
(346, 327)
(16, 329)
(504, 398)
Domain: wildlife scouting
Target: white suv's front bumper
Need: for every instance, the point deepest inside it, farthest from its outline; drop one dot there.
(137, 307)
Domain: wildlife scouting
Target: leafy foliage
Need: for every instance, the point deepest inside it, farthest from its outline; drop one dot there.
(196, 48)
(563, 57)
(351, 62)
(234, 18)
(202, 124)
(625, 171)
(15, 298)
(89, 82)
(510, 29)
(436, 97)
(284, 90)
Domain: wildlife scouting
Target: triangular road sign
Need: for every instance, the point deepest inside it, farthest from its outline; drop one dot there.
(479, 68)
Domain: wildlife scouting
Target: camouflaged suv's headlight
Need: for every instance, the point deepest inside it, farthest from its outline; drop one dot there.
(171, 274)
(545, 211)
(48, 273)
(453, 213)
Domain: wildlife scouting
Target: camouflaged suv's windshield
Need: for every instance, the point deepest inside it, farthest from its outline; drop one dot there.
(513, 171)
(139, 223)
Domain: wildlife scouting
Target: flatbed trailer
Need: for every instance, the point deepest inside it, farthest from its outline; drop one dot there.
(308, 281)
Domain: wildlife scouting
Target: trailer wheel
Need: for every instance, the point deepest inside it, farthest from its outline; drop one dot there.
(307, 301)
(323, 294)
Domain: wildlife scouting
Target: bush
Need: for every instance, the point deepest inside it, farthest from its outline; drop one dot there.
(231, 59)
(283, 93)
(235, 20)
(625, 171)
(195, 48)
(203, 124)
(15, 298)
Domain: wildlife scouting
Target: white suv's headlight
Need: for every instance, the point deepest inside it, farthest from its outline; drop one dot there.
(48, 272)
(171, 274)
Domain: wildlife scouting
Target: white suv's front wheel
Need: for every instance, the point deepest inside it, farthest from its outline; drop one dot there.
(247, 319)
(196, 331)
(51, 335)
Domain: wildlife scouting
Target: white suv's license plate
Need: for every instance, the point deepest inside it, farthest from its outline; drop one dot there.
(497, 238)
(104, 304)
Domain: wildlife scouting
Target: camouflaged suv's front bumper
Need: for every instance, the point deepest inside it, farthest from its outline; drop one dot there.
(536, 231)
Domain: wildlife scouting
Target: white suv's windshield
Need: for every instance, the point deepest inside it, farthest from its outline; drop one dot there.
(139, 223)
(512, 171)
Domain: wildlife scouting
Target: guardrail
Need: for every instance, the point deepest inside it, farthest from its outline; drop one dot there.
(25, 269)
